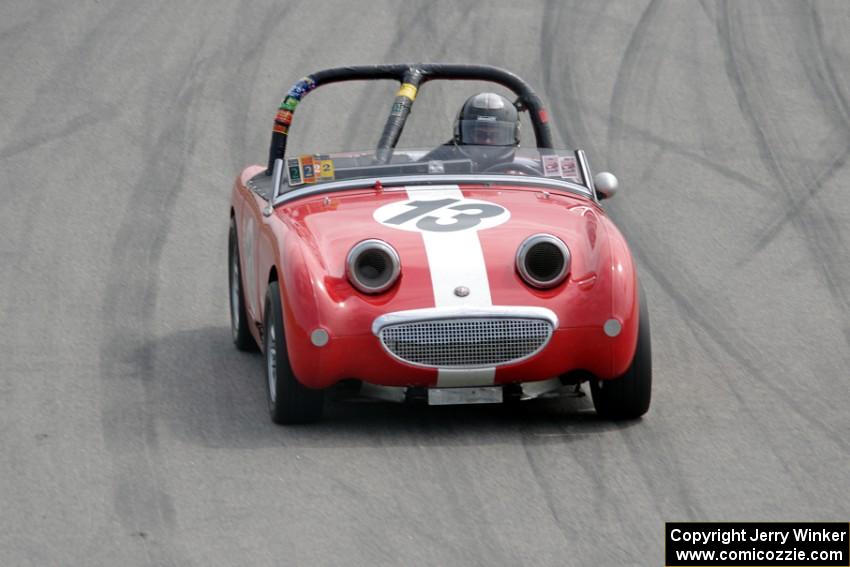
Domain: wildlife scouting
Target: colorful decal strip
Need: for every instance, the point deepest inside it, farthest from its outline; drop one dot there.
(289, 103)
(284, 117)
(407, 90)
(301, 88)
(287, 106)
(309, 169)
(455, 258)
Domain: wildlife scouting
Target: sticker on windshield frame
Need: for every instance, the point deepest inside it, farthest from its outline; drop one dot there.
(293, 172)
(551, 166)
(324, 167)
(308, 172)
(569, 168)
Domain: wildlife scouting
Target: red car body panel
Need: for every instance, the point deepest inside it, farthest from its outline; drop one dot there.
(304, 244)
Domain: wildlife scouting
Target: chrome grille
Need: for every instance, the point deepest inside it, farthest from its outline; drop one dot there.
(463, 342)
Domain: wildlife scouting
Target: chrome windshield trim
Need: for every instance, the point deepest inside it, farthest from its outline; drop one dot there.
(401, 180)
(461, 312)
(585, 172)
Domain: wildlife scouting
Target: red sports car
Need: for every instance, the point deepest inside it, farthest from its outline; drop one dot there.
(477, 271)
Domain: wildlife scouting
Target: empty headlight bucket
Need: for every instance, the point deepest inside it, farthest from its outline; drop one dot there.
(543, 261)
(372, 266)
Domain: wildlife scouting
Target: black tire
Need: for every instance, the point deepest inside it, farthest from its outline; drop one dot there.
(289, 400)
(628, 396)
(239, 324)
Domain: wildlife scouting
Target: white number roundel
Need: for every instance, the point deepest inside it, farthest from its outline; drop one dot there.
(441, 215)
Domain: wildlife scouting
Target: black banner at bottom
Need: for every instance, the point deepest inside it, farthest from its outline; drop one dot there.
(757, 544)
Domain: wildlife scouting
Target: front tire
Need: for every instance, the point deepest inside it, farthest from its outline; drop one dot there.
(289, 400)
(239, 326)
(628, 396)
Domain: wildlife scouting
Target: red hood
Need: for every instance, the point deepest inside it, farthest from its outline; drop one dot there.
(329, 225)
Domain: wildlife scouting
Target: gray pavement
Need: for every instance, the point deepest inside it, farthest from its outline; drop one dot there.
(133, 433)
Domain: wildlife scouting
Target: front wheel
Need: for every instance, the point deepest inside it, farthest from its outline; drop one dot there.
(289, 400)
(628, 396)
(239, 326)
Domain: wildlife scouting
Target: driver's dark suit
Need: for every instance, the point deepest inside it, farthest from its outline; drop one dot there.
(444, 152)
(451, 151)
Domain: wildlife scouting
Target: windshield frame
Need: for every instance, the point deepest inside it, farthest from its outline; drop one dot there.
(541, 183)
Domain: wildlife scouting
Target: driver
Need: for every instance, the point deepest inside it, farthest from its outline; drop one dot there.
(486, 131)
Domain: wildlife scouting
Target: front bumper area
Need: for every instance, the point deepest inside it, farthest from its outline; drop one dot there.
(552, 388)
(369, 358)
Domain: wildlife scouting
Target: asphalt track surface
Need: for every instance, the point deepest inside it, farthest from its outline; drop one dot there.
(133, 433)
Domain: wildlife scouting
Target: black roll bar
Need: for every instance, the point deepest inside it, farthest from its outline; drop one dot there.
(411, 77)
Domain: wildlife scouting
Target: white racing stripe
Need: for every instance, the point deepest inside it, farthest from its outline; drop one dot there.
(456, 259)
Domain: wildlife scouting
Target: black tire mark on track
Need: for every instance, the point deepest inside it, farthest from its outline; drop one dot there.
(63, 72)
(813, 222)
(416, 32)
(628, 71)
(590, 458)
(130, 383)
(704, 317)
(558, 78)
(823, 80)
(794, 209)
(824, 73)
(629, 80)
(702, 320)
(640, 444)
(11, 35)
(243, 53)
(104, 113)
(675, 148)
(549, 494)
(569, 108)
(735, 345)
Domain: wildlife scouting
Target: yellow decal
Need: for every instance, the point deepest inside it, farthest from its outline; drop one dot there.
(326, 168)
(407, 90)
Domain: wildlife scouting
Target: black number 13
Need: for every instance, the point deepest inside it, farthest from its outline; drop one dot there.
(460, 221)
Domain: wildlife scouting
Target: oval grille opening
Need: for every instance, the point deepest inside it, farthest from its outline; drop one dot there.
(461, 343)
(544, 261)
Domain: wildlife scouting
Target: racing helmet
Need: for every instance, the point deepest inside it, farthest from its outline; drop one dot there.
(490, 123)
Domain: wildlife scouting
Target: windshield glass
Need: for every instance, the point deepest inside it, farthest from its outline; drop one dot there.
(449, 159)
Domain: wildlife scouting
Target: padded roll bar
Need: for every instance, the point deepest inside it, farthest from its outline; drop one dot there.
(411, 77)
